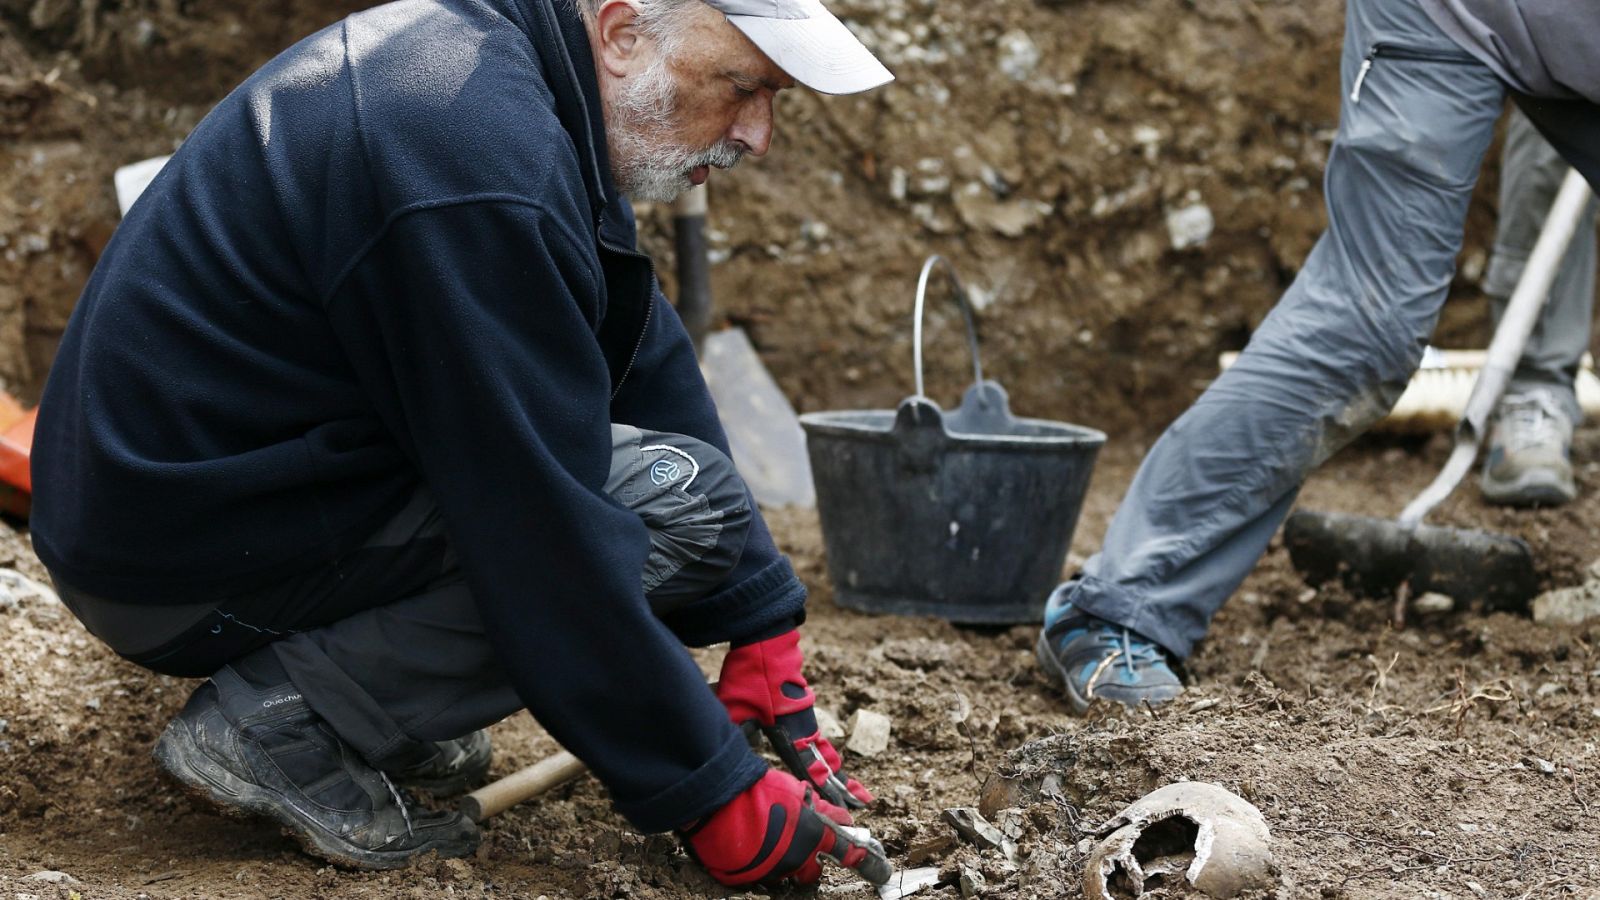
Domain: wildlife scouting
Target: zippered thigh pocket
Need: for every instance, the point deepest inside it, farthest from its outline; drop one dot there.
(1395, 51)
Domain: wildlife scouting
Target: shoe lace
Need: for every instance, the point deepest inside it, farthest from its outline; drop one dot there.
(405, 811)
(1132, 653)
(1529, 420)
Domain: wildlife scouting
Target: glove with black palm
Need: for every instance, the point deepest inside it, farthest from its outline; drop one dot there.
(776, 830)
(763, 689)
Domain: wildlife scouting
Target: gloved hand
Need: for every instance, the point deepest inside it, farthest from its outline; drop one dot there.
(762, 688)
(777, 829)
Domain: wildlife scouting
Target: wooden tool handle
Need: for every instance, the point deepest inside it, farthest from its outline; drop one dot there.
(498, 796)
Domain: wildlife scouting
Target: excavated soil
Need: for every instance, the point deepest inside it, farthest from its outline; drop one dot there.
(1041, 145)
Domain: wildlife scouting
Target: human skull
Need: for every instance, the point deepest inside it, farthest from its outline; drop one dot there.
(1215, 839)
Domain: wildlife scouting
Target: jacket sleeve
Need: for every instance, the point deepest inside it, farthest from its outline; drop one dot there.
(471, 328)
(761, 592)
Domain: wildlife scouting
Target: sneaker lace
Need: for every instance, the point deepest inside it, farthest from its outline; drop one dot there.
(405, 811)
(1132, 653)
(1530, 420)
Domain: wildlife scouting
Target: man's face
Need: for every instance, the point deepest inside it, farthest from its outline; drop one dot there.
(672, 116)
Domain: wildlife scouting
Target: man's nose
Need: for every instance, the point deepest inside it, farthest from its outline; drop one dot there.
(753, 128)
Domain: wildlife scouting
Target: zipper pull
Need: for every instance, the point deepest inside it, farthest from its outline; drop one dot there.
(1355, 92)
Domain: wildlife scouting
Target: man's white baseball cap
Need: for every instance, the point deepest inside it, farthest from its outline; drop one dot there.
(807, 42)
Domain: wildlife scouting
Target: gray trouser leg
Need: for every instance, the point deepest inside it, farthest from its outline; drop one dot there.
(405, 658)
(1530, 174)
(422, 669)
(1335, 352)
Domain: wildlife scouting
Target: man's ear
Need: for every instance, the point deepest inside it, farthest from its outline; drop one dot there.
(618, 41)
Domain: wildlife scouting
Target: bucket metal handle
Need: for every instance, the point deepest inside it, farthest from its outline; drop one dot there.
(966, 314)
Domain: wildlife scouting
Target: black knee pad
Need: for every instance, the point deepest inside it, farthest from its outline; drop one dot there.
(697, 508)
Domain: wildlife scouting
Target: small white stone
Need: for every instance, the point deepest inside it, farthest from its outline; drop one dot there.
(828, 724)
(1433, 602)
(49, 876)
(1019, 56)
(1190, 226)
(869, 733)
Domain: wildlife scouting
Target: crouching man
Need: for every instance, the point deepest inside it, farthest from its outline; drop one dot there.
(373, 414)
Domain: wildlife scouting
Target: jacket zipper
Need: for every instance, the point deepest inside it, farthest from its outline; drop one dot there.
(649, 309)
(1394, 52)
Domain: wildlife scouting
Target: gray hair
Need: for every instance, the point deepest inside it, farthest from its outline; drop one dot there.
(658, 19)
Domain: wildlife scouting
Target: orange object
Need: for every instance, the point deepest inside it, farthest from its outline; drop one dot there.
(16, 441)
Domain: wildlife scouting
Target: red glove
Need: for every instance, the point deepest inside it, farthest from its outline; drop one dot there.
(776, 830)
(762, 687)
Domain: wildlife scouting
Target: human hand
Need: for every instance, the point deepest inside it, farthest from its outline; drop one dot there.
(778, 829)
(762, 688)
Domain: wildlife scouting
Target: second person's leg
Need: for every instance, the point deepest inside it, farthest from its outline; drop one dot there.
(1329, 360)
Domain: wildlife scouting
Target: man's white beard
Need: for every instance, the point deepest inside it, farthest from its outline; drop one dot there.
(647, 164)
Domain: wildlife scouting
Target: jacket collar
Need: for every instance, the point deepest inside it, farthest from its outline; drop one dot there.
(561, 43)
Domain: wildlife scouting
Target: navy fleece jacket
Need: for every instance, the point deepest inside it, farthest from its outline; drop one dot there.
(394, 254)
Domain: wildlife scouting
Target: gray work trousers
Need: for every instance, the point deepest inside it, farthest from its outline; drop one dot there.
(386, 643)
(1337, 350)
(1530, 174)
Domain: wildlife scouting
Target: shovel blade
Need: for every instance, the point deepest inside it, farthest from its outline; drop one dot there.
(763, 431)
(1375, 556)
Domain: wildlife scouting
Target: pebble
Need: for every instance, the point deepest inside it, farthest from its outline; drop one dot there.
(828, 724)
(1009, 821)
(1019, 55)
(869, 733)
(1544, 765)
(899, 182)
(971, 881)
(1433, 602)
(1568, 606)
(971, 825)
(50, 876)
(1190, 226)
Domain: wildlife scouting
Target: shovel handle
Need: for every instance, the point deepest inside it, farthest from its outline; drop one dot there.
(694, 264)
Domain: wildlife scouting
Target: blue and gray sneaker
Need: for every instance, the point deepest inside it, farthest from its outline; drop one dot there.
(1091, 659)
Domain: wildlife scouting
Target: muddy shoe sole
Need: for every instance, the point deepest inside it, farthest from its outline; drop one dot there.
(1535, 487)
(181, 757)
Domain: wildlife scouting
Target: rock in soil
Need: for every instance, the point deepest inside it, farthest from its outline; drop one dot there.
(869, 733)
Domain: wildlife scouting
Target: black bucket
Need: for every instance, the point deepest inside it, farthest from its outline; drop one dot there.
(965, 515)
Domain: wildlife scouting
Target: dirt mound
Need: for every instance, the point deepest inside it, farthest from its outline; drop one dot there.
(1042, 146)
(1456, 753)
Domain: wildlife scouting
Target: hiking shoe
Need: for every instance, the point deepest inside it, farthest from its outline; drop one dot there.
(1530, 453)
(454, 766)
(1092, 659)
(262, 751)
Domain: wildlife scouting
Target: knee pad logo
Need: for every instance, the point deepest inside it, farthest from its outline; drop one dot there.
(665, 471)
